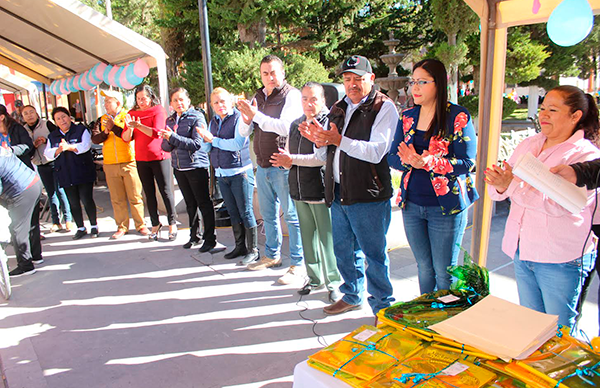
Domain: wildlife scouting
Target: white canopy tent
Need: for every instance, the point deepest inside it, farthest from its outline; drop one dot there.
(53, 39)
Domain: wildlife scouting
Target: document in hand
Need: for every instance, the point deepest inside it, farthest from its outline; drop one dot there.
(500, 328)
(538, 175)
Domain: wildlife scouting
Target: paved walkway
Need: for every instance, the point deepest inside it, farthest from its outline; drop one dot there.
(134, 313)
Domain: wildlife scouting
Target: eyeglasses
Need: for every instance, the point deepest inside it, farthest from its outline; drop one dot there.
(420, 83)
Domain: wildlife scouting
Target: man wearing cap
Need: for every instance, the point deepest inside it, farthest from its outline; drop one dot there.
(120, 168)
(17, 114)
(358, 185)
(270, 114)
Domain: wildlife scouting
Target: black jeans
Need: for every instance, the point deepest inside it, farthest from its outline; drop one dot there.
(24, 212)
(82, 193)
(194, 187)
(159, 170)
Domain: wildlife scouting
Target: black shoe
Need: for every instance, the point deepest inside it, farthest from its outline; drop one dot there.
(239, 233)
(15, 273)
(207, 247)
(308, 288)
(191, 243)
(94, 232)
(79, 234)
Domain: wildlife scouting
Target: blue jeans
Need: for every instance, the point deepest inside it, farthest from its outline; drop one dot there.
(58, 198)
(273, 189)
(553, 288)
(237, 192)
(358, 235)
(433, 239)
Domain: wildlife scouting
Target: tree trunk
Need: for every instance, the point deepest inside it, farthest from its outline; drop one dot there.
(453, 74)
(253, 34)
(476, 78)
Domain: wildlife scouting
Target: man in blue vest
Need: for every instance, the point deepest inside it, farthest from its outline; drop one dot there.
(358, 185)
(269, 115)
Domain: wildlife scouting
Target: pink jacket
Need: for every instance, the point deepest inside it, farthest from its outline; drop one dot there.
(544, 231)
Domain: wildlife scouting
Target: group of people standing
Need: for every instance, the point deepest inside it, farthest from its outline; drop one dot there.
(327, 171)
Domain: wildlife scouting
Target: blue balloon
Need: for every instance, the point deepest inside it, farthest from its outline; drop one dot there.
(105, 75)
(118, 76)
(570, 22)
(130, 75)
(71, 85)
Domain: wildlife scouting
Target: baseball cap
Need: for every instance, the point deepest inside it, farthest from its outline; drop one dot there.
(18, 103)
(357, 64)
(113, 94)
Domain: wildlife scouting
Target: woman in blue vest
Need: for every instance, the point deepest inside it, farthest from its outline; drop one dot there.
(230, 157)
(434, 147)
(190, 164)
(70, 148)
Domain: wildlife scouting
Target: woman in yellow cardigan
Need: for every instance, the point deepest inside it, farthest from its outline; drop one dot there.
(119, 166)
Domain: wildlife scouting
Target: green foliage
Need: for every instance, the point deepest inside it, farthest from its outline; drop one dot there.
(451, 54)
(472, 104)
(524, 57)
(238, 71)
(453, 17)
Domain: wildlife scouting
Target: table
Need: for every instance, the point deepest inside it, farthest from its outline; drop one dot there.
(307, 377)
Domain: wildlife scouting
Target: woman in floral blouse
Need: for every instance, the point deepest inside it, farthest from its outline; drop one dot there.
(434, 147)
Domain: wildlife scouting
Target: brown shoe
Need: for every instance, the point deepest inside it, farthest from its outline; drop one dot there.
(144, 231)
(264, 263)
(340, 307)
(118, 234)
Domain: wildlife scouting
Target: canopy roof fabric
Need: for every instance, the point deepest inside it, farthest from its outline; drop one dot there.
(51, 39)
(10, 86)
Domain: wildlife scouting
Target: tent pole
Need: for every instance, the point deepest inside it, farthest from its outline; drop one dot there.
(45, 100)
(493, 59)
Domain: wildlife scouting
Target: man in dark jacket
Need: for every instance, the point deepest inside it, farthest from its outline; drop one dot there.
(358, 185)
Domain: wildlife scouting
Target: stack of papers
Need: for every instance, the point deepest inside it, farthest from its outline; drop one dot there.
(557, 188)
(500, 328)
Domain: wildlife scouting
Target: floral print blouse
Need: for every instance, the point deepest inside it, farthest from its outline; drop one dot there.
(452, 163)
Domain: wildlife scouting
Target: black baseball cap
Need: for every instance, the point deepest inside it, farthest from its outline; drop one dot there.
(357, 64)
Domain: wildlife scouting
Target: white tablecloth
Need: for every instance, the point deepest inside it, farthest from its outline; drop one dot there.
(307, 377)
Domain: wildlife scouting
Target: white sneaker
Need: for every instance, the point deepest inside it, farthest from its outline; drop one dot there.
(291, 276)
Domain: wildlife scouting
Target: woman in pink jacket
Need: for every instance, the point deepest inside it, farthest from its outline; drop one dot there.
(549, 245)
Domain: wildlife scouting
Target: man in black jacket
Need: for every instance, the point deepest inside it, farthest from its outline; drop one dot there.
(358, 185)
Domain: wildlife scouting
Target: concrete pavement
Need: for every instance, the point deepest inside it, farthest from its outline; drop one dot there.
(135, 313)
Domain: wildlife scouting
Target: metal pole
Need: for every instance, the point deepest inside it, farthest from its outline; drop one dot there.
(205, 38)
(45, 100)
(207, 66)
(108, 8)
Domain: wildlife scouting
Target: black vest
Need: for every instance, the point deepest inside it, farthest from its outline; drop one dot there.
(360, 181)
(306, 183)
(228, 159)
(265, 143)
(72, 169)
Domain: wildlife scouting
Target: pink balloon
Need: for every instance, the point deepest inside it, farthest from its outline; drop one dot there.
(125, 84)
(84, 81)
(140, 68)
(63, 86)
(76, 81)
(111, 76)
(98, 73)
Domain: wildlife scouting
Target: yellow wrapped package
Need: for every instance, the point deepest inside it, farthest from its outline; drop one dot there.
(365, 353)
(563, 362)
(434, 368)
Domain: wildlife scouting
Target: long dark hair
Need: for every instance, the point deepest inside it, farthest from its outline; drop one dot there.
(576, 99)
(8, 120)
(437, 71)
(154, 100)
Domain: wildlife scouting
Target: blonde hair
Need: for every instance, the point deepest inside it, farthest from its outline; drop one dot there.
(220, 90)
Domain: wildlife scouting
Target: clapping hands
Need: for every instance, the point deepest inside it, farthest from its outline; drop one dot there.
(204, 133)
